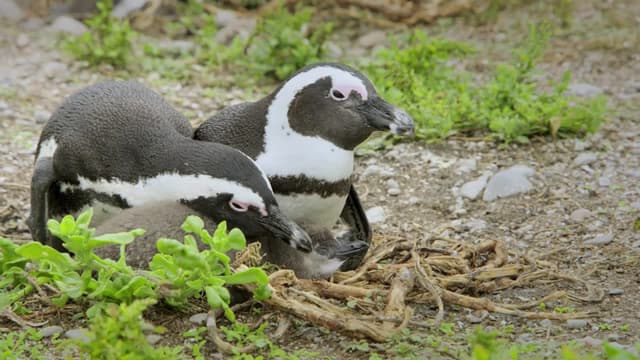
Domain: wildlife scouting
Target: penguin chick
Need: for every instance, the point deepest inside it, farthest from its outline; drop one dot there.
(164, 220)
(304, 133)
(120, 143)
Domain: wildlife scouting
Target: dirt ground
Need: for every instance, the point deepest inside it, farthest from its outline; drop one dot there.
(601, 49)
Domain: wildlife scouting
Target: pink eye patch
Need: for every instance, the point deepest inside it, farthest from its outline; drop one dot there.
(347, 87)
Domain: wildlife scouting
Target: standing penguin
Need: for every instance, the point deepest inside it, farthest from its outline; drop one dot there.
(119, 143)
(163, 220)
(303, 136)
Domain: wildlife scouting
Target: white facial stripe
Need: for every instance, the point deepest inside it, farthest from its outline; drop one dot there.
(290, 153)
(47, 148)
(169, 187)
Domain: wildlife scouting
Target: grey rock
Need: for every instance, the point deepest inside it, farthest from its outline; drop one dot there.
(199, 319)
(614, 337)
(10, 11)
(466, 165)
(635, 205)
(372, 39)
(126, 7)
(153, 339)
(242, 28)
(226, 18)
(333, 50)
(3, 105)
(54, 69)
(375, 214)
(392, 184)
(576, 323)
(580, 145)
(178, 46)
(413, 200)
(77, 334)
(22, 40)
(586, 90)
(69, 25)
(394, 191)
(580, 215)
(41, 116)
(604, 181)
(616, 291)
(600, 239)
(589, 341)
(477, 317)
(475, 225)
(509, 182)
(472, 189)
(546, 323)
(33, 24)
(51, 330)
(585, 158)
(376, 170)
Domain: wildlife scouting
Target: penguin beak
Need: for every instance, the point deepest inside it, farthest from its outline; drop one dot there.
(350, 249)
(383, 116)
(281, 227)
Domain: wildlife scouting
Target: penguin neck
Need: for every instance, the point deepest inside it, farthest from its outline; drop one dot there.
(289, 153)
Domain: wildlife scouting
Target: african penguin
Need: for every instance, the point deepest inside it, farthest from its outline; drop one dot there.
(303, 136)
(120, 143)
(164, 221)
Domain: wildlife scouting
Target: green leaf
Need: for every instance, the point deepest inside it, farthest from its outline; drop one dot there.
(36, 251)
(251, 275)
(193, 224)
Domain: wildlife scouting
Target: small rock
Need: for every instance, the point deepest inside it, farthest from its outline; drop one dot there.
(375, 215)
(524, 338)
(472, 189)
(509, 182)
(79, 334)
(477, 317)
(616, 291)
(33, 24)
(394, 191)
(604, 181)
(199, 319)
(585, 90)
(614, 337)
(41, 116)
(53, 69)
(372, 39)
(51, 330)
(67, 24)
(22, 40)
(579, 145)
(413, 200)
(589, 341)
(466, 165)
(576, 323)
(226, 18)
(126, 7)
(153, 339)
(475, 225)
(10, 11)
(600, 239)
(580, 215)
(546, 323)
(376, 170)
(3, 105)
(392, 184)
(333, 50)
(177, 46)
(585, 158)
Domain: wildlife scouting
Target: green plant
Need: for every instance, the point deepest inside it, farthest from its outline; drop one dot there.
(21, 345)
(241, 335)
(116, 332)
(510, 106)
(283, 42)
(108, 40)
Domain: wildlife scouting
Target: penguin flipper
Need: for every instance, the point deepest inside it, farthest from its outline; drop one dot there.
(41, 181)
(354, 216)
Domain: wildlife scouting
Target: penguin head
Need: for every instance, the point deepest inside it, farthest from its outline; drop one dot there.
(239, 192)
(336, 103)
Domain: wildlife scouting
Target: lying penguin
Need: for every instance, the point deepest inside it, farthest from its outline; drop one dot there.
(119, 143)
(164, 220)
(303, 136)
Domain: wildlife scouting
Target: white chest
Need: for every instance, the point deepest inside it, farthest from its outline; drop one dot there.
(312, 208)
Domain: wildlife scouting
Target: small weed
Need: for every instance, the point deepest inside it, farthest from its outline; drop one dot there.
(604, 327)
(241, 335)
(361, 345)
(284, 42)
(564, 309)
(21, 345)
(196, 335)
(108, 40)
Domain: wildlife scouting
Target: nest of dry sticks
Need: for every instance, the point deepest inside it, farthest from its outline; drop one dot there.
(399, 274)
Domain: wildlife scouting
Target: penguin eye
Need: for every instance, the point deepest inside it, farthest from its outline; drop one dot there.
(238, 206)
(337, 95)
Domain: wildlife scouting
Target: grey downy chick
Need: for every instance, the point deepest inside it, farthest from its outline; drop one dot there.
(164, 220)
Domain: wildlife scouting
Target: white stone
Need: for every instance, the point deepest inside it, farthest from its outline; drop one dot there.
(585, 158)
(375, 215)
(472, 189)
(509, 182)
(126, 7)
(580, 215)
(586, 90)
(67, 24)
(10, 11)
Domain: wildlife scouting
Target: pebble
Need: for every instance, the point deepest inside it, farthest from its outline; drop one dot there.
(199, 319)
(580, 215)
(604, 181)
(394, 192)
(614, 337)
(586, 90)
(546, 323)
(616, 291)
(22, 40)
(375, 215)
(588, 340)
(413, 200)
(477, 317)
(466, 165)
(226, 18)
(585, 158)
(67, 24)
(126, 7)
(370, 40)
(51, 330)
(79, 334)
(473, 189)
(576, 323)
(53, 69)
(393, 188)
(10, 11)
(153, 339)
(509, 182)
(41, 116)
(377, 170)
(580, 145)
(600, 239)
